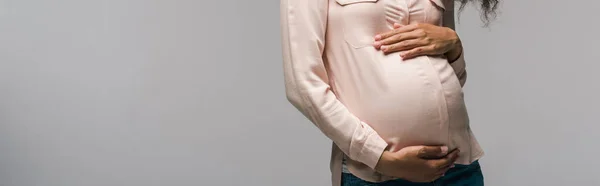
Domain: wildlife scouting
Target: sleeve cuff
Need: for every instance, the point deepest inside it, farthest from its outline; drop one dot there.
(459, 64)
(372, 149)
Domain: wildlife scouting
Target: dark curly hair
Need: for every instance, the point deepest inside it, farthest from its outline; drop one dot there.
(488, 8)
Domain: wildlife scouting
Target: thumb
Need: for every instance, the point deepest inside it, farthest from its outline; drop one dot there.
(432, 152)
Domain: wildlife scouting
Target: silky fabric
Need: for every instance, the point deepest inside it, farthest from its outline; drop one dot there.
(365, 100)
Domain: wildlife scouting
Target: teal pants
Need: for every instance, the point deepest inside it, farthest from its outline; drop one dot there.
(460, 175)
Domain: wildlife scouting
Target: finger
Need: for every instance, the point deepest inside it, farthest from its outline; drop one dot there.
(398, 38)
(402, 29)
(446, 161)
(385, 35)
(419, 51)
(397, 25)
(438, 176)
(450, 159)
(445, 169)
(403, 46)
(432, 152)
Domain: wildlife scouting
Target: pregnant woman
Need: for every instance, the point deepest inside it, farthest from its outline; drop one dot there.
(383, 80)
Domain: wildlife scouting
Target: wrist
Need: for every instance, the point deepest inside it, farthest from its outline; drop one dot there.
(383, 159)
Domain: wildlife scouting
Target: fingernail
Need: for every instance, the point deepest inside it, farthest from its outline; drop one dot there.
(377, 37)
(384, 48)
(444, 150)
(377, 44)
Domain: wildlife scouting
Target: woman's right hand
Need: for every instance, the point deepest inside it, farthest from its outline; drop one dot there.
(417, 163)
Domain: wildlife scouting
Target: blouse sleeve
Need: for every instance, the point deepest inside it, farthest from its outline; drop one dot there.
(303, 25)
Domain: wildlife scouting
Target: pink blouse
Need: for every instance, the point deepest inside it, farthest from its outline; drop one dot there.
(363, 99)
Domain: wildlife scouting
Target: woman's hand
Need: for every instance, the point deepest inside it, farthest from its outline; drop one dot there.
(420, 39)
(417, 163)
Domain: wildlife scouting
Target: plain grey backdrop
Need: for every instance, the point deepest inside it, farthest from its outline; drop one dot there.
(183, 92)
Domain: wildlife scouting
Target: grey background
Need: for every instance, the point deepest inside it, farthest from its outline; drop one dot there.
(157, 92)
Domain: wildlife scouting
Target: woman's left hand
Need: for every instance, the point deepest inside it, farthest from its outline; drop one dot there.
(417, 40)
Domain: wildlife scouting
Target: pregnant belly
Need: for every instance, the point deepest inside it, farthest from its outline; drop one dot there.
(412, 103)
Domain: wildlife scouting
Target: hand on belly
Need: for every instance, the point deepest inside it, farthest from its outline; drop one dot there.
(417, 163)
